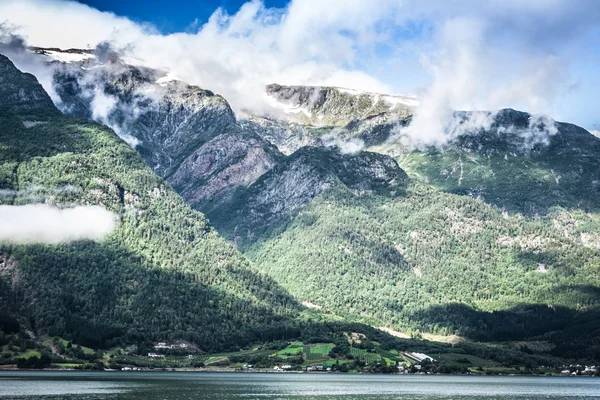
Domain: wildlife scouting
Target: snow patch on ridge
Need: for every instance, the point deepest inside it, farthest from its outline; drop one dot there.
(169, 77)
(68, 57)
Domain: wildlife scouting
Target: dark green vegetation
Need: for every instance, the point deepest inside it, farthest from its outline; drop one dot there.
(507, 250)
(164, 272)
(355, 347)
(530, 174)
(495, 239)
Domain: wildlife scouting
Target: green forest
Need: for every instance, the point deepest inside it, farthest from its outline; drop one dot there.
(491, 248)
(426, 260)
(164, 272)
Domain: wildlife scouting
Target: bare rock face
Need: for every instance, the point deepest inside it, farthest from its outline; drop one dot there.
(296, 180)
(313, 115)
(173, 127)
(228, 162)
(332, 106)
(287, 136)
(165, 120)
(187, 135)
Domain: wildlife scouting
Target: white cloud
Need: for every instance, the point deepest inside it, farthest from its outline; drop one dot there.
(67, 24)
(42, 223)
(102, 105)
(595, 133)
(479, 55)
(310, 42)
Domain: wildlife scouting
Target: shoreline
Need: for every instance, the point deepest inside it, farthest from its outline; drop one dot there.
(268, 371)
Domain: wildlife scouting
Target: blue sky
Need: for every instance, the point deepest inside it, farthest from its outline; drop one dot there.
(171, 16)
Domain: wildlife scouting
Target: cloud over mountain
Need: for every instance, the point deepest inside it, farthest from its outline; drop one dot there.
(484, 55)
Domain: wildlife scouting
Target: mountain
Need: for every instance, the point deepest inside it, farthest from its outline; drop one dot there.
(520, 164)
(187, 135)
(495, 236)
(21, 94)
(296, 181)
(492, 235)
(163, 273)
(307, 115)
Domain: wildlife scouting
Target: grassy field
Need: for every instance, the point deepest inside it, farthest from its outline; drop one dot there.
(215, 360)
(48, 340)
(363, 355)
(67, 365)
(30, 353)
(390, 355)
(318, 351)
(26, 354)
(292, 350)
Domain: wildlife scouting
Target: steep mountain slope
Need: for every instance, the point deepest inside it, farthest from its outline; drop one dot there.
(171, 124)
(496, 236)
(428, 261)
(515, 166)
(524, 266)
(296, 181)
(163, 273)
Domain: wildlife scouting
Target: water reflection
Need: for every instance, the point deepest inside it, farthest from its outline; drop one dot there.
(179, 385)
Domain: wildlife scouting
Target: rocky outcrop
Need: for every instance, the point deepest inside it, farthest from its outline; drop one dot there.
(166, 121)
(184, 118)
(188, 135)
(329, 116)
(298, 179)
(224, 164)
(332, 106)
(509, 131)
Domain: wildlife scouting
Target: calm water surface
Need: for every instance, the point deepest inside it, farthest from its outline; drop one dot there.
(182, 385)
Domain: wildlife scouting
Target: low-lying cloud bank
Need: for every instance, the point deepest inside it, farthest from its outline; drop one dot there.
(42, 223)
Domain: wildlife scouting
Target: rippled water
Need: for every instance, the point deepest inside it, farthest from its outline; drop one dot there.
(183, 385)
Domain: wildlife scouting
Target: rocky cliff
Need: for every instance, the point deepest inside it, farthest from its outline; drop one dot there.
(187, 135)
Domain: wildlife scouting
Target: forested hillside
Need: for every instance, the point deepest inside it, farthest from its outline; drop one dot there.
(513, 167)
(511, 253)
(163, 273)
(492, 235)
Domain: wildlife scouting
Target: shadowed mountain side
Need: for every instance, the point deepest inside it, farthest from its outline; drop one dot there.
(280, 194)
(573, 333)
(168, 120)
(159, 243)
(187, 135)
(22, 94)
(97, 293)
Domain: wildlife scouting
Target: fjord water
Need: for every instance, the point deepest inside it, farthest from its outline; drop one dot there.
(182, 385)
